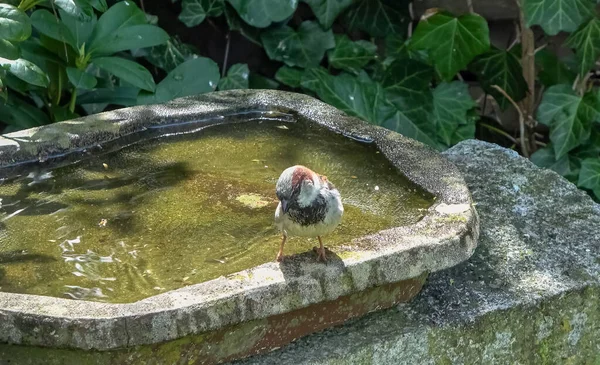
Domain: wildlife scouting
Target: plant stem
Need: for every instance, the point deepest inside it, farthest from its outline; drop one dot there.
(499, 131)
(528, 104)
(72, 101)
(228, 37)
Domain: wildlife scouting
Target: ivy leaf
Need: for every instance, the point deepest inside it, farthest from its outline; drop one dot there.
(569, 116)
(304, 47)
(171, 54)
(586, 42)
(81, 79)
(545, 158)
(195, 11)
(81, 9)
(451, 42)
(379, 17)
(289, 76)
(406, 76)
(502, 68)
(557, 15)
(589, 175)
(46, 23)
(9, 50)
(261, 13)
(236, 23)
(195, 76)
(451, 103)
(351, 56)
(237, 78)
(327, 11)
(26, 71)
(552, 70)
(129, 71)
(15, 25)
(257, 81)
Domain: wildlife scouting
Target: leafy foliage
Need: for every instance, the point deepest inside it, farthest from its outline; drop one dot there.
(558, 15)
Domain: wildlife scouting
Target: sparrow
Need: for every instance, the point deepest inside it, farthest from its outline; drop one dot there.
(309, 206)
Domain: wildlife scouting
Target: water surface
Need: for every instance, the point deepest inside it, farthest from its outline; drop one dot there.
(181, 210)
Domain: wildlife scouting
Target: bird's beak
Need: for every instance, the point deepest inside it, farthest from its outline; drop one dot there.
(284, 205)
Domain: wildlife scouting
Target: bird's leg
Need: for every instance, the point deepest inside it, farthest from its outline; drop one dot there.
(280, 253)
(322, 256)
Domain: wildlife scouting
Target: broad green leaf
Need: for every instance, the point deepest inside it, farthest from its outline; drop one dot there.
(122, 15)
(130, 71)
(304, 47)
(553, 71)
(586, 42)
(451, 102)
(289, 76)
(81, 79)
(463, 132)
(257, 81)
(62, 113)
(237, 78)
(81, 9)
(15, 25)
(379, 18)
(80, 30)
(557, 15)
(351, 56)
(545, 158)
(46, 23)
(26, 71)
(451, 42)
(406, 76)
(9, 50)
(125, 96)
(195, 11)
(195, 76)
(236, 23)
(21, 115)
(327, 11)
(171, 54)
(137, 36)
(261, 13)
(99, 5)
(569, 116)
(32, 46)
(591, 147)
(589, 175)
(499, 67)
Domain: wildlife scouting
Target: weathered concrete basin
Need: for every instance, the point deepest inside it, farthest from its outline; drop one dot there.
(251, 311)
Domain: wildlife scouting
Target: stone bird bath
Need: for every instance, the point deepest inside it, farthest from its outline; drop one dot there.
(253, 310)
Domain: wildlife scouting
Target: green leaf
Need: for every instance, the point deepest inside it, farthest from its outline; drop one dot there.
(123, 14)
(351, 56)
(195, 11)
(80, 9)
(81, 79)
(125, 96)
(304, 47)
(451, 42)
(137, 36)
(236, 23)
(569, 116)
(46, 23)
(499, 67)
(129, 71)
(15, 25)
(237, 78)
(406, 76)
(9, 50)
(289, 76)
(261, 13)
(589, 175)
(451, 103)
(80, 31)
(21, 115)
(258, 81)
(557, 15)
(551, 70)
(545, 158)
(195, 76)
(26, 71)
(379, 18)
(62, 113)
(327, 11)
(586, 42)
(99, 5)
(171, 54)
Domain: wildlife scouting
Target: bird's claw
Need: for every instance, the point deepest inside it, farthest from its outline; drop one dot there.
(280, 258)
(321, 256)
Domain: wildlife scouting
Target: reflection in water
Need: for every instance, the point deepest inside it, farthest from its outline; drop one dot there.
(181, 210)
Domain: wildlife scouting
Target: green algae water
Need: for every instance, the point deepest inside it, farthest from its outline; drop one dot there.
(180, 210)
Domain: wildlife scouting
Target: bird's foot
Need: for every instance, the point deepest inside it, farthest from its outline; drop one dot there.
(280, 257)
(321, 256)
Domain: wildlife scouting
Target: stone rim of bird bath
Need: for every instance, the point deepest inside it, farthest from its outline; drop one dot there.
(446, 236)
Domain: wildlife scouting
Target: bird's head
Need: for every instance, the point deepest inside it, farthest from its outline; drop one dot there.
(299, 185)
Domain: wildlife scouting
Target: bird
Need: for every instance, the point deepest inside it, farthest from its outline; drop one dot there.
(309, 206)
